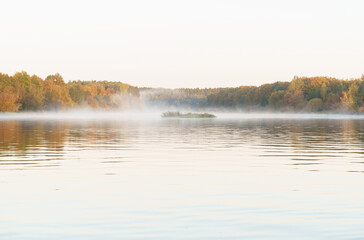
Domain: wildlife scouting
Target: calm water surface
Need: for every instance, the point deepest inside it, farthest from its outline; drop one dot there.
(224, 178)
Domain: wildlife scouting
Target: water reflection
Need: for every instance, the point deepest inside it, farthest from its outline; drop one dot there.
(306, 142)
(35, 143)
(198, 179)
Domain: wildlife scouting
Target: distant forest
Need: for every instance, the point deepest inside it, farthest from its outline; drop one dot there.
(302, 94)
(22, 92)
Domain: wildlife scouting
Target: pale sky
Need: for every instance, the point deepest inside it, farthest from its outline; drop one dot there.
(198, 43)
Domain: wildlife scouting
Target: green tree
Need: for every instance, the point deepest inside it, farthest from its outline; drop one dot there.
(315, 105)
(276, 99)
(354, 96)
(76, 93)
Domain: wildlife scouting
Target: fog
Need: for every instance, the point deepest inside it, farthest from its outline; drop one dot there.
(155, 114)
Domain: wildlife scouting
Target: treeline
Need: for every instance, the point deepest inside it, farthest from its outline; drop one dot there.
(22, 92)
(312, 94)
(178, 98)
(179, 93)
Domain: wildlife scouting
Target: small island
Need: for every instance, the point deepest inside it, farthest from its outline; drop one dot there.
(187, 115)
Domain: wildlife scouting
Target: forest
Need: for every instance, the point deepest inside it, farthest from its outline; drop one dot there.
(22, 92)
(192, 98)
(302, 94)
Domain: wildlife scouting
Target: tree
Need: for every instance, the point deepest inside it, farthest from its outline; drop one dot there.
(323, 91)
(295, 100)
(77, 94)
(264, 101)
(315, 105)
(8, 101)
(56, 93)
(276, 99)
(354, 96)
(34, 95)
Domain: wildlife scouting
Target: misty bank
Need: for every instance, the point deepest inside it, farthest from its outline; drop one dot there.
(22, 92)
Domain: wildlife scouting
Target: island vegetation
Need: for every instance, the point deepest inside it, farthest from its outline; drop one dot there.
(22, 92)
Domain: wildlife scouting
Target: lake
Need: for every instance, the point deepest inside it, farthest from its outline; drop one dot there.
(138, 176)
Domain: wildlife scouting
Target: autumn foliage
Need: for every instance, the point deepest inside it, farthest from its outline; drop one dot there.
(302, 94)
(22, 92)
(306, 94)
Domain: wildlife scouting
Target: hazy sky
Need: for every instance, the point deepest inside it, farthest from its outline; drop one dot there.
(198, 43)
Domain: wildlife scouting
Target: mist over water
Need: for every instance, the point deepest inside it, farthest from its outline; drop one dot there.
(135, 175)
(156, 112)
